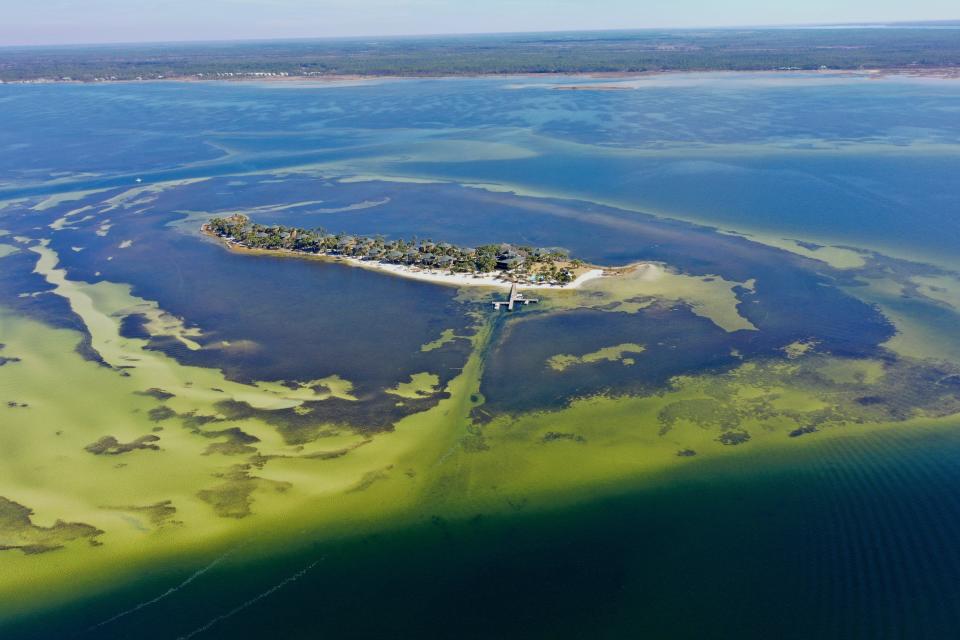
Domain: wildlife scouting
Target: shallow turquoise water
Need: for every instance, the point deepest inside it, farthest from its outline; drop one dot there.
(857, 160)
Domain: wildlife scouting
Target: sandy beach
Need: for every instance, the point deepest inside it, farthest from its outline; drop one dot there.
(438, 276)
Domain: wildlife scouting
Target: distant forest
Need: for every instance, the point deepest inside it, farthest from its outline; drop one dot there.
(611, 51)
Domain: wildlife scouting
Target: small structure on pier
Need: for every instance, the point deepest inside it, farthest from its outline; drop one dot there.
(515, 298)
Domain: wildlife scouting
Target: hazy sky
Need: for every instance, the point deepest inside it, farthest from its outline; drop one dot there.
(73, 21)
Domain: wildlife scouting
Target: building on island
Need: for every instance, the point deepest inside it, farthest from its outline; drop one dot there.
(509, 258)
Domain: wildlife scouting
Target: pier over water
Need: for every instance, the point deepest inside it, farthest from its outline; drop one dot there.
(515, 298)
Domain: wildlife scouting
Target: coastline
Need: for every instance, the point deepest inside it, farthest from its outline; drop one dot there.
(937, 73)
(466, 279)
(493, 279)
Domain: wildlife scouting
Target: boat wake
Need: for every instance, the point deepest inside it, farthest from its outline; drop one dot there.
(251, 601)
(169, 592)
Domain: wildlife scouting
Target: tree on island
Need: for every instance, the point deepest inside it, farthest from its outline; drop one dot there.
(521, 261)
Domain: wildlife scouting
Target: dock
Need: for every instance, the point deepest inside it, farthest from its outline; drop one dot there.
(515, 298)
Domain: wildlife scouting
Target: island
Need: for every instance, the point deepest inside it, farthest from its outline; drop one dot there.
(442, 262)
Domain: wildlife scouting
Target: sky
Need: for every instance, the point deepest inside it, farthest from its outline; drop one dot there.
(27, 22)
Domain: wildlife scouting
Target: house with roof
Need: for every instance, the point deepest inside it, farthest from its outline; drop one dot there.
(509, 258)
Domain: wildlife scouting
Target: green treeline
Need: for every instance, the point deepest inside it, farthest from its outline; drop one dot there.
(610, 51)
(542, 265)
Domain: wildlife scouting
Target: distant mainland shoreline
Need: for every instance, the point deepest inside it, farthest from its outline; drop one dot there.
(927, 49)
(935, 73)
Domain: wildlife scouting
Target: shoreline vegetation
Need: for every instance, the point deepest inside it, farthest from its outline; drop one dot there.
(903, 48)
(492, 265)
(933, 73)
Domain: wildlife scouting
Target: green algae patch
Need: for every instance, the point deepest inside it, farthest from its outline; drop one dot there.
(110, 446)
(637, 287)
(708, 413)
(420, 385)
(860, 371)
(943, 288)
(233, 496)
(798, 348)
(229, 479)
(18, 531)
(46, 467)
(617, 353)
(235, 442)
(4, 359)
(632, 289)
(152, 516)
(102, 306)
(923, 314)
(446, 337)
(834, 256)
(757, 407)
(312, 390)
